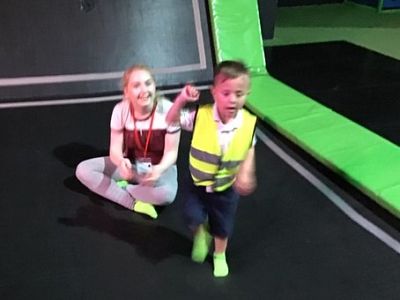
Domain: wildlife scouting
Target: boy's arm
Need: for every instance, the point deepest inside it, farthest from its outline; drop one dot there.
(188, 93)
(246, 180)
(174, 113)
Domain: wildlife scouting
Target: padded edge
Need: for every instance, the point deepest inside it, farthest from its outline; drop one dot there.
(237, 33)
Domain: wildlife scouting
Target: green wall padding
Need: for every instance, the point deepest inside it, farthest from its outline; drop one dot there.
(365, 159)
(237, 32)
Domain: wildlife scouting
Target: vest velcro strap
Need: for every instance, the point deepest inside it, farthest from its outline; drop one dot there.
(204, 156)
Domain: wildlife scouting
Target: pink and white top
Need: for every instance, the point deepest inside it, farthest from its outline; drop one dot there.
(122, 120)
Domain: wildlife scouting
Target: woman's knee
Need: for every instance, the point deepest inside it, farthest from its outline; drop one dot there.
(168, 189)
(79, 171)
(169, 197)
(82, 171)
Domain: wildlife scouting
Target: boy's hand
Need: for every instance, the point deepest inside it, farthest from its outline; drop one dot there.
(245, 184)
(189, 93)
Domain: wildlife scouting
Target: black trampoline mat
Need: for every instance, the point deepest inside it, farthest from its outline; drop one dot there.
(358, 83)
(60, 241)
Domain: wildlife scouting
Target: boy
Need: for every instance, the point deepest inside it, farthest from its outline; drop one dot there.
(222, 159)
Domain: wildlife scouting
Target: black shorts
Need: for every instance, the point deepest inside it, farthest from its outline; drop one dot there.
(218, 208)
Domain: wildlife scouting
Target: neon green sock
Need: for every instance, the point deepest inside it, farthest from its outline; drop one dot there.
(201, 244)
(145, 208)
(221, 268)
(122, 183)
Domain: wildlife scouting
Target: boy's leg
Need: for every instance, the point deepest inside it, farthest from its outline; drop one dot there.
(195, 216)
(221, 268)
(201, 244)
(222, 211)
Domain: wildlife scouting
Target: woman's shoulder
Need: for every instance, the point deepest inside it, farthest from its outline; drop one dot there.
(121, 106)
(120, 114)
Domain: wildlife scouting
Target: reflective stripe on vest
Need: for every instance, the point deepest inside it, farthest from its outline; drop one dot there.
(208, 166)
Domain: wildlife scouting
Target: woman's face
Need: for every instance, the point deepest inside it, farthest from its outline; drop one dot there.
(141, 88)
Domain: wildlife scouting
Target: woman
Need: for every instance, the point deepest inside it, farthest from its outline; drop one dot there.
(140, 171)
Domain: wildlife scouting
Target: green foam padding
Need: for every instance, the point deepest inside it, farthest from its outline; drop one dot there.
(365, 159)
(234, 18)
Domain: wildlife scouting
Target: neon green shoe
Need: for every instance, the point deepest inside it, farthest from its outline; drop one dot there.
(122, 183)
(201, 245)
(221, 268)
(145, 208)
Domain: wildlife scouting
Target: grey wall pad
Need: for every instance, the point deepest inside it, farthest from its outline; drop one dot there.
(63, 48)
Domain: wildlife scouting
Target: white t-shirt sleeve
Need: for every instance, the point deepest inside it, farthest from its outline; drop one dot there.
(119, 116)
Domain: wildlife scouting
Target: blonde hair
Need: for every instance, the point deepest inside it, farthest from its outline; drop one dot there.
(128, 72)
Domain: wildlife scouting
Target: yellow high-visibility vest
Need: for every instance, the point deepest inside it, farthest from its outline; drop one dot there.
(208, 166)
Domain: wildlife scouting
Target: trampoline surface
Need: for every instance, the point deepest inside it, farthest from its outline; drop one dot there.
(60, 241)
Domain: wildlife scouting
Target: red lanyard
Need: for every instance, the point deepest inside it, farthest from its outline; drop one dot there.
(136, 134)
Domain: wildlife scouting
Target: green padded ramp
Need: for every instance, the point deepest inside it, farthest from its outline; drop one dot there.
(365, 159)
(237, 33)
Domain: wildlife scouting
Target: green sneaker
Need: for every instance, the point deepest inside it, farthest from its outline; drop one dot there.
(145, 208)
(122, 183)
(201, 245)
(221, 268)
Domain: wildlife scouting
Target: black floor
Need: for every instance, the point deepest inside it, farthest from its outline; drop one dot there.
(358, 83)
(60, 241)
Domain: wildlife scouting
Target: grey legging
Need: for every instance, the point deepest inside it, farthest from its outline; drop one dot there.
(100, 176)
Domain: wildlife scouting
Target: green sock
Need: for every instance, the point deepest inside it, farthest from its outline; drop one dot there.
(220, 266)
(122, 183)
(145, 208)
(201, 244)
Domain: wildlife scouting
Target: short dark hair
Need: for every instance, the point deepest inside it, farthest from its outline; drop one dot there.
(230, 69)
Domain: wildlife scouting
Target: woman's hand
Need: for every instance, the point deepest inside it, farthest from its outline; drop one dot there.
(151, 178)
(125, 169)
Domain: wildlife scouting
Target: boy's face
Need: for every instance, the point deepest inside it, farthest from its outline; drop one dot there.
(230, 95)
